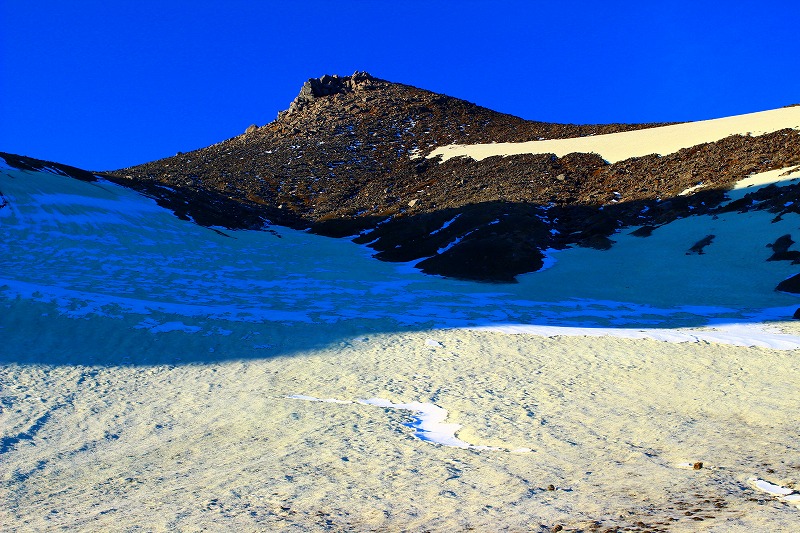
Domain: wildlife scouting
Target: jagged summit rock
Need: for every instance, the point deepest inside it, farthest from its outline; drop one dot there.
(328, 85)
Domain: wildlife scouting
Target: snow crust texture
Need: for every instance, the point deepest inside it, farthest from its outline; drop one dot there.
(147, 366)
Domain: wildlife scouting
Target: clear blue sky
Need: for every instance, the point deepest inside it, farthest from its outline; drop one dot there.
(107, 84)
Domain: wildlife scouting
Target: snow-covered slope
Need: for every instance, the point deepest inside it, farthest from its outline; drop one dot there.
(615, 147)
(152, 373)
(98, 250)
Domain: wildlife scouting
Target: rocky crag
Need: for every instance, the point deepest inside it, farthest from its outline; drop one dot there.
(347, 159)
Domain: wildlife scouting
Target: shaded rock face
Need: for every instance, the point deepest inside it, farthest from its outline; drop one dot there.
(347, 160)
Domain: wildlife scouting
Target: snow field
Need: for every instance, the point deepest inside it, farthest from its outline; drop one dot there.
(219, 445)
(616, 147)
(147, 367)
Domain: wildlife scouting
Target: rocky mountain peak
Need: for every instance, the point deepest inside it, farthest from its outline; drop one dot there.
(328, 85)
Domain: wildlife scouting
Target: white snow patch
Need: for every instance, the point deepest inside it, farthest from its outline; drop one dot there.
(690, 190)
(770, 488)
(454, 242)
(784, 494)
(446, 224)
(735, 334)
(548, 259)
(428, 422)
(616, 147)
(780, 177)
(313, 399)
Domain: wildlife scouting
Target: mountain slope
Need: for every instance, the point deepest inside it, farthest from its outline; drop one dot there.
(356, 156)
(346, 156)
(349, 158)
(346, 148)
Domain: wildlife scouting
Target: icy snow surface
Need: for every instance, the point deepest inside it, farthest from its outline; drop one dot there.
(98, 250)
(779, 177)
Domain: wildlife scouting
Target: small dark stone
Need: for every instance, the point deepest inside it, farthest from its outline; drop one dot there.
(781, 244)
(700, 245)
(698, 465)
(551, 487)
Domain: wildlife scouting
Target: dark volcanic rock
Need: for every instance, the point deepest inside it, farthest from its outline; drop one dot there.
(348, 151)
(598, 242)
(347, 156)
(327, 86)
(486, 242)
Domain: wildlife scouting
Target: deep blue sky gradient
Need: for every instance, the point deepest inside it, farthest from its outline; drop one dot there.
(108, 84)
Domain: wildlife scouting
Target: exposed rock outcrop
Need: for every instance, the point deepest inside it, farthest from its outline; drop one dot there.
(326, 86)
